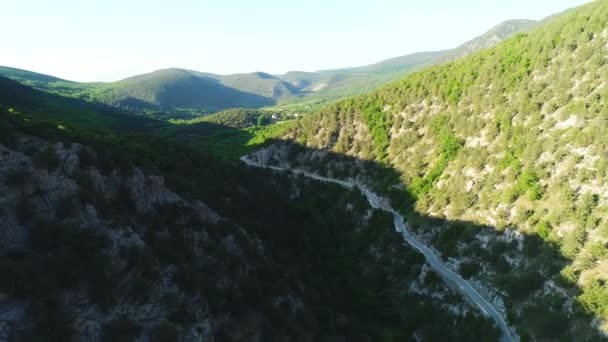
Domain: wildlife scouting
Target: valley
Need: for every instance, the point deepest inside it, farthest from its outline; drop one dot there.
(453, 195)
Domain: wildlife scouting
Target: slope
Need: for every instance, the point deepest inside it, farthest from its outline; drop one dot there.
(164, 243)
(68, 112)
(174, 89)
(512, 138)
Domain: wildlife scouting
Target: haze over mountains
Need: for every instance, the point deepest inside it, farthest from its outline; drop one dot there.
(184, 93)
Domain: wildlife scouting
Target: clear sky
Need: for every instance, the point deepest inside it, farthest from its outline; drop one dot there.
(106, 40)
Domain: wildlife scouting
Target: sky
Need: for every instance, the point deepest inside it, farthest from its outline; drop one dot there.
(107, 40)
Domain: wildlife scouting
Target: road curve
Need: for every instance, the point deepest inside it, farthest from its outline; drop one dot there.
(447, 274)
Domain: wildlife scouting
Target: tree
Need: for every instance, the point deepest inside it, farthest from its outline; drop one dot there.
(46, 159)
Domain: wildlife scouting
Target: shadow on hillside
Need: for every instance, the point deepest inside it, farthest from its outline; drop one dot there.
(71, 111)
(209, 92)
(536, 313)
(530, 287)
(222, 141)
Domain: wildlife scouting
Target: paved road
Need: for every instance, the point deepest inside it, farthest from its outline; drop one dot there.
(447, 274)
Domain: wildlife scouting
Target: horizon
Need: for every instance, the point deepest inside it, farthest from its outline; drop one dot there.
(102, 49)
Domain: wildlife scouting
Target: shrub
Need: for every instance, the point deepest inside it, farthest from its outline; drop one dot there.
(67, 207)
(17, 178)
(543, 229)
(468, 269)
(46, 159)
(24, 210)
(165, 332)
(86, 157)
(7, 137)
(120, 330)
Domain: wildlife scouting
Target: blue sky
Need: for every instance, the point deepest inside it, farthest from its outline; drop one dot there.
(106, 40)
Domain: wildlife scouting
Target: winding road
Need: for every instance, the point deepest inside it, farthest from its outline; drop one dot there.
(451, 277)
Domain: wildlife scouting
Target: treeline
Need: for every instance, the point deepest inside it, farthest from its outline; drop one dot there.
(238, 118)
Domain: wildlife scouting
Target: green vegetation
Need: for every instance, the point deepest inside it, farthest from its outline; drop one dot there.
(180, 93)
(46, 159)
(238, 118)
(448, 147)
(510, 137)
(228, 134)
(348, 293)
(121, 330)
(65, 112)
(378, 123)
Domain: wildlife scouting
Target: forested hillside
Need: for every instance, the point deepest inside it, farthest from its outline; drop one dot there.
(513, 139)
(123, 235)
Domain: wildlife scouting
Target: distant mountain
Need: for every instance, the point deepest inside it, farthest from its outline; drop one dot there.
(172, 89)
(180, 93)
(330, 84)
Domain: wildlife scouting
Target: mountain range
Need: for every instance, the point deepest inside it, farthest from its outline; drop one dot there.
(181, 93)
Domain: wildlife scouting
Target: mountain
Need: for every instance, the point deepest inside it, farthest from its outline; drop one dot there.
(333, 84)
(169, 89)
(179, 93)
(507, 149)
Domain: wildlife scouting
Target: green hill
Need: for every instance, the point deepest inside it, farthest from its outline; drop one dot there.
(45, 82)
(513, 138)
(260, 83)
(66, 111)
(174, 90)
(168, 93)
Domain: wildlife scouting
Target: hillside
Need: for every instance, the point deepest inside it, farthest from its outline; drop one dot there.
(174, 90)
(121, 236)
(168, 93)
(45, 82)
(506, 145)
(69, 112)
